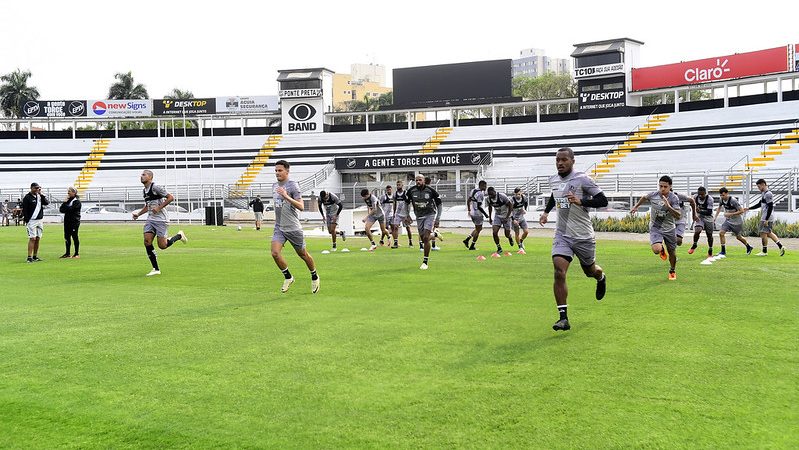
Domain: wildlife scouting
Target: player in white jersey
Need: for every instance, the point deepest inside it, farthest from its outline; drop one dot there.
(766, 205)
(401, 216)
(474, 208)
(156, 199)
(573, 193)
(288, 202)
(664, 212)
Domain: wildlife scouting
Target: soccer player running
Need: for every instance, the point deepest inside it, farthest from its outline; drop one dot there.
(664, 214)
(387, 203)
(734, 223)
(474, 207)
(573, 193)
(704, 221)
(374, 214)
(156, 198)
(502, 207)
(427, 207)
(766, 206)
(288, 202)
(517, 217)
(401, 216)
(330, 207)
(435, 234)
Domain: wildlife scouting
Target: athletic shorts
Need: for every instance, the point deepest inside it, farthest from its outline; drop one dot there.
(295, 238)
(389, 220)
(35, 228)
(680, 229)
(399, 220)
(477, 219)
(522, 224)
(331, 219)
(584, 249)
(379, 219)
(259, 216)
(733, 228)
(155, 227)
(501, 222)
(704, 223)
(765, 226)
(667, 238)
(425, 223)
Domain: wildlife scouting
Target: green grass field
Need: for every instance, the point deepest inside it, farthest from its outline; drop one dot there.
(211, 354)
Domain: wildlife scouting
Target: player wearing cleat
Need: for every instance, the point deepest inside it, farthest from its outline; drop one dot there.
(734, 223)
(387, 203)
(427, 207)
(704, 208)
(330, 207)
(374, 214)
(32, 213)
(401, 216)
(517, 217)
(503, 208)
(71, 209)
(288, 202)
(474, 208)
(434, 235)
(156, 198)
(766, 206)
(572, 194)
(687, 212)
(665, 212)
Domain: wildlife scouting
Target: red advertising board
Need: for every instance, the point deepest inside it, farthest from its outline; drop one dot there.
(708, 70)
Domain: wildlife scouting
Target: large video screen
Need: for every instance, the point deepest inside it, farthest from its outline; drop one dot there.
(460, 83)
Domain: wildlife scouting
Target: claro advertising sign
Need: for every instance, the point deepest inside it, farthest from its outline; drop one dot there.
(708, 70)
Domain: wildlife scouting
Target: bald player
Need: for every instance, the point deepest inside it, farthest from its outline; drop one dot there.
(427, 207)
(572, 194)
(704, 222)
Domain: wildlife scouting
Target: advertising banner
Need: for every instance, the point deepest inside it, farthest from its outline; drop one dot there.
(119, 108)
(595, 71)
(190, 107)
(54, 108)
(708, 70)
(303, 116)
(604, 97)
(411, 161)
(247, 105)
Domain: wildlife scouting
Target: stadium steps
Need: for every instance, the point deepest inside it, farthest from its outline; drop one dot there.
(769, 154)
(434, 141)
(252, 171)
(634, 139)
(91, 165)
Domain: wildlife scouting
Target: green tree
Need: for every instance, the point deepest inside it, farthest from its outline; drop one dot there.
(177, 94)
(14, 90)
(545, 87)
(126, 88)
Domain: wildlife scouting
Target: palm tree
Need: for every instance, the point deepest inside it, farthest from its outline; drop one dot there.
(126, 89)
(177, 94)
(14, 90)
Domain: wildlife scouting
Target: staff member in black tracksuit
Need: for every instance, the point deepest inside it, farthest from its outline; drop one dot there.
(32, 212)
(258, 209)
(71, 209)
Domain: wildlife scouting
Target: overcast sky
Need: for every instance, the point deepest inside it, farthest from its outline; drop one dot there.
(235, 47)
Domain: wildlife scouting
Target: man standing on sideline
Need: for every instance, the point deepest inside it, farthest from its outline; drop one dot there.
(71, 210)
(663, 218)
(387, 203)
(427, 207)
(573, 193)
(474, 208)
(704, 221)
(156, 198)
(32, 213)
(5, 212)
(373, 214)
(258, 209)
(766, 206)
(288, 203)
(517, 217)
(330, 207)
(503, 208)
(734, 223)
(401, 216)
